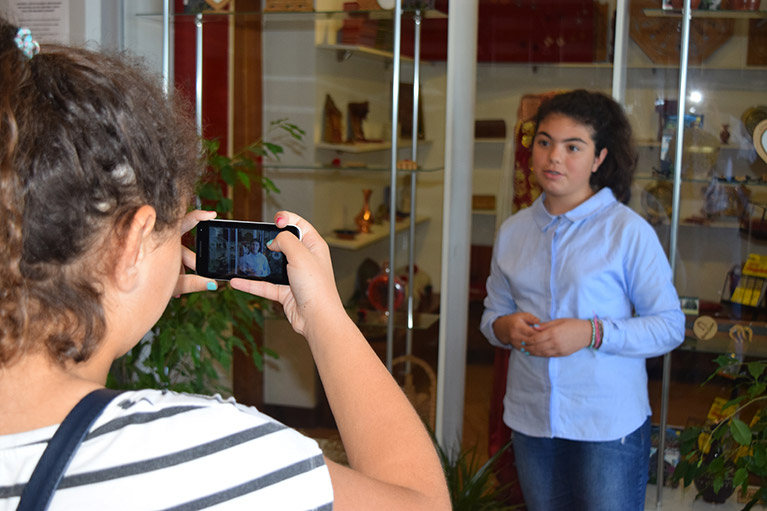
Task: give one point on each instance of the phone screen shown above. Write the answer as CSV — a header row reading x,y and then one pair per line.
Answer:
x,y
231,248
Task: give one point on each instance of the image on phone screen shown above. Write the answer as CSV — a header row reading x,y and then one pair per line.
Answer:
x,y
229,248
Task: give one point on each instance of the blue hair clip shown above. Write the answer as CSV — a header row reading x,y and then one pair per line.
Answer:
x,y
26,44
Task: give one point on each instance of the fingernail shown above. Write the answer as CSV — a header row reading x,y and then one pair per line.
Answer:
x,y
269,243
212,286
278,220
522,350
523,343
177,296
537,325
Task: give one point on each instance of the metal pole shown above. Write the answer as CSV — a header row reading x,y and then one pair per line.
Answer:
x,y
620,52
682,96
393,182
413,180
198,73
166,46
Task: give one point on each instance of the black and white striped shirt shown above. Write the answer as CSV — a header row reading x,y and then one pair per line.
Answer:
x,y
161,450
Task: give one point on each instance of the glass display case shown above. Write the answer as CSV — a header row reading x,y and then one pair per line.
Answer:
x,y
695,95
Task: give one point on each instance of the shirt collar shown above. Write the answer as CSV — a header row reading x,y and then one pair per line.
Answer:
x,y
596,202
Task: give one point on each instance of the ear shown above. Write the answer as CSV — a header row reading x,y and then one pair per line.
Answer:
x,y
134,247
599,159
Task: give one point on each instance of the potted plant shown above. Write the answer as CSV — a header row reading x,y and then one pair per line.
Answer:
x,y
473,486
190,348
733,451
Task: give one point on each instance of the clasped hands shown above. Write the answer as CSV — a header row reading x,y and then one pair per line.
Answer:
x,y
556,338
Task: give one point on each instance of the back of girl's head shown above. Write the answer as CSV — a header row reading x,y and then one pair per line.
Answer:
x,y
85,140
611,130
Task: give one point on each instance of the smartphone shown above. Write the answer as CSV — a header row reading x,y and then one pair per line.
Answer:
x,y
233,248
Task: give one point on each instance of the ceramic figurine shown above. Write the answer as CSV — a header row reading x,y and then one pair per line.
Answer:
x,y
724,135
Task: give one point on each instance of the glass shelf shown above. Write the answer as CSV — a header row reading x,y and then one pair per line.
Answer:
x,y
366,318
721,343
373,13
345,50
351,168
366,147
702,13
377,233
656,143
703,180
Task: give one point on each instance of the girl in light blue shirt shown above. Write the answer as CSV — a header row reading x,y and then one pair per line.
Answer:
x,y
580,290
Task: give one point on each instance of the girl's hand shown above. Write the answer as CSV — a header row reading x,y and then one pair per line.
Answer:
x,y
560,337
312,297
189,283
516,329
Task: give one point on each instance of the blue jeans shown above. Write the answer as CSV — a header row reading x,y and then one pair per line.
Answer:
x,y
573,475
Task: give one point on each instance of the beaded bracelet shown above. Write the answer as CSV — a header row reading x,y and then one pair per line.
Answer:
x,y
598,333
593,332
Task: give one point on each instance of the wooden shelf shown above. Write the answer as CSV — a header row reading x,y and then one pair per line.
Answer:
x,y
378,233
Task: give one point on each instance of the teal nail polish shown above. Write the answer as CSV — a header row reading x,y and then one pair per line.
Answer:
x,y
269,243
523,343
212,286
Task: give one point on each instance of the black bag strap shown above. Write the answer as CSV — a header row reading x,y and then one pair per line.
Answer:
x,y
38,492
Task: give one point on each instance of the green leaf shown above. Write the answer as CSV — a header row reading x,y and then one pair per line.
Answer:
x,y
741,476
244,178
274,149
740,431
717,483
756,389
225,205
755,369
209,192
268,185
760,455
229,175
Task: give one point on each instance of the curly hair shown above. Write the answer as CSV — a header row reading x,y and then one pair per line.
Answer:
x,y
612,130
86,139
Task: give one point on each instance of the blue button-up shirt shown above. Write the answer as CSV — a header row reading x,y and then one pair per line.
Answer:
x,y
603,259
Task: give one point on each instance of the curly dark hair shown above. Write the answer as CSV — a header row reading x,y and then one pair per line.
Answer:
x,y
612,131
86,139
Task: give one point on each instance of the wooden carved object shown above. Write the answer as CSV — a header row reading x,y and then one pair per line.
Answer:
x,y
331,131
660,38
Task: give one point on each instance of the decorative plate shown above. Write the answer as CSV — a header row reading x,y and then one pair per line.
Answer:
x,y
753,116
760,140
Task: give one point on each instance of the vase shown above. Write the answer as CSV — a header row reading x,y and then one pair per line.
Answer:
x,y
704,485
378,290
364,218
704,482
